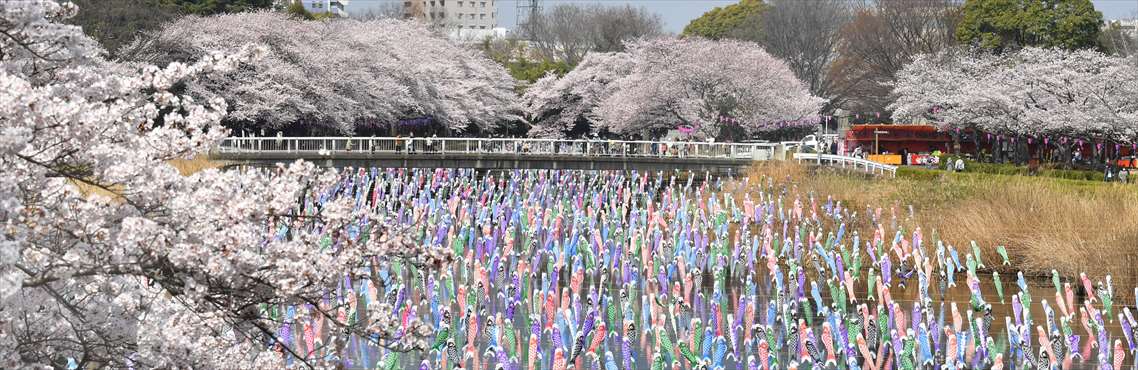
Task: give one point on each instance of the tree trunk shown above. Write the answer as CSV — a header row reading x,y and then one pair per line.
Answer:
x,y
956,143
1022,150
997,151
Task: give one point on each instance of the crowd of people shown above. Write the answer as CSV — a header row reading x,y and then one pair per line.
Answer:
x,y
637,270
1119,174
593,147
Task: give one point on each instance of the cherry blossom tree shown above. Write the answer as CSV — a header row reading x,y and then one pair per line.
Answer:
x,y
109,258
564,106
1034,92
338,75
722,89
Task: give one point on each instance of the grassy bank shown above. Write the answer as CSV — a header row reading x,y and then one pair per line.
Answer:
x,y
1045,223
1045,170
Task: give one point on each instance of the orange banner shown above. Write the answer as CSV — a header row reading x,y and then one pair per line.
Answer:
x,y
893,159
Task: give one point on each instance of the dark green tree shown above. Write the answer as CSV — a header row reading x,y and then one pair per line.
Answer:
x,y
1011,24
522,65
531,70
297,10
115,23
718,22
210,7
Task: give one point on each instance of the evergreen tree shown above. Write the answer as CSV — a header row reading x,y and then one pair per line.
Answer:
x,y
1012,24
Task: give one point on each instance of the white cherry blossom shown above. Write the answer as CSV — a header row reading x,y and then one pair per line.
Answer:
x,y
112,258
1034,92
661,84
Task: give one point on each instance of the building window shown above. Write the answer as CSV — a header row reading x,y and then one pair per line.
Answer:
x,y
483,4
432,4
482,16
459,4
460,26
482,27
442,3
406,4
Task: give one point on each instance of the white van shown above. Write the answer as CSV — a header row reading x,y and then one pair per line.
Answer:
x,y
817,143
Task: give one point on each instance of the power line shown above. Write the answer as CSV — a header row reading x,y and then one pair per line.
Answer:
x,y
525,11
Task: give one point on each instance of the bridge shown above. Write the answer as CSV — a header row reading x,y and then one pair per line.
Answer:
x,y
498,153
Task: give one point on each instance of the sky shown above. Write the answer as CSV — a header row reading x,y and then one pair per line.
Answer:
x,y
677,13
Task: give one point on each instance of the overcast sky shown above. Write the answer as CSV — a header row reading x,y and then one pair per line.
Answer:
x,y
677,13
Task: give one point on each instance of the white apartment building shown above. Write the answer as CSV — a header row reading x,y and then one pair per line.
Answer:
x,y
336,7
459,14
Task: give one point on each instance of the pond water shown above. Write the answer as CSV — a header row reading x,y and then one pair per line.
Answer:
x,y
622,270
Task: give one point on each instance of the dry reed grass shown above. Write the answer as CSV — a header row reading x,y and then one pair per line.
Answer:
x,y
87,190
185,167
1045,223
192,165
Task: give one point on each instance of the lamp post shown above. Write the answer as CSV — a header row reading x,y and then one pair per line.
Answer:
x,y
876,134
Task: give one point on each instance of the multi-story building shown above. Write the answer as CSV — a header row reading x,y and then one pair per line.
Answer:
x,y
334,7
459,14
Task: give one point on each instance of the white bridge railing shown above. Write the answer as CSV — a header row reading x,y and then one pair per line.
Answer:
x,y
584,148
847,162
328,146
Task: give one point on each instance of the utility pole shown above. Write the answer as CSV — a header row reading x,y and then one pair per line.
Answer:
x,y
876,134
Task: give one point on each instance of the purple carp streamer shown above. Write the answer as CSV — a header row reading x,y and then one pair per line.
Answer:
x,y
621,270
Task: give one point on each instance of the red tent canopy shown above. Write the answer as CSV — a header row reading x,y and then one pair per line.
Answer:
x,y
897,133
